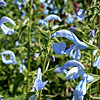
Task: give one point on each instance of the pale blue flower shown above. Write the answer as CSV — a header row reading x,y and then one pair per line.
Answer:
x,y
55,26
70,19
52,17
74,73
69,64
97,62
34,6
72,29
1,98
38,84
42,1
92,33
36,55
23,14
54,10
44,23
16,1
2,3
5,29
49,18
21,68
24,2
80,12
45,12
74,51
65,2
33,97
11,60
53,58
17,43
80,90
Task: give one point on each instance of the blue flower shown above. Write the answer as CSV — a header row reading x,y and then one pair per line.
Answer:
x,y
97,62
92,33
17,43
5,29
38,84
69,64
11,60
74,51
42,1
80,12
49,18
23,14
21,68
52,17
33,97
69,19
2,3
15,2
36,55
34,6
24,2
54,10
80,89
44,23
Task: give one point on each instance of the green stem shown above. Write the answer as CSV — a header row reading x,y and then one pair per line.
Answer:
x,y
97,71
29,42
40,92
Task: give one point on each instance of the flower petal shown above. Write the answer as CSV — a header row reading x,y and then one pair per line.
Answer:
x,y
81,88
6,30
69,64
63,33
59,48
51,17
7,19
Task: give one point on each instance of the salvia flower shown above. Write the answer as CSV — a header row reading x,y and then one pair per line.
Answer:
x,y
92,33
2,3
70,19
16,1
36,55
52,17
34,6
80,14
97,62
69,64
74,51
21,68
33,97
80,89
54,10
23,14
5,29
1,98
49,18
17,43
11,60
38,84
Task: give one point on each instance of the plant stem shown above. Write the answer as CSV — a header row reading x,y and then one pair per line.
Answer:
x,y
40,92
29,42
97,71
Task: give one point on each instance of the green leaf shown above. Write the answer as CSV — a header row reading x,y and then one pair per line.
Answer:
x,y
20,97
18,80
